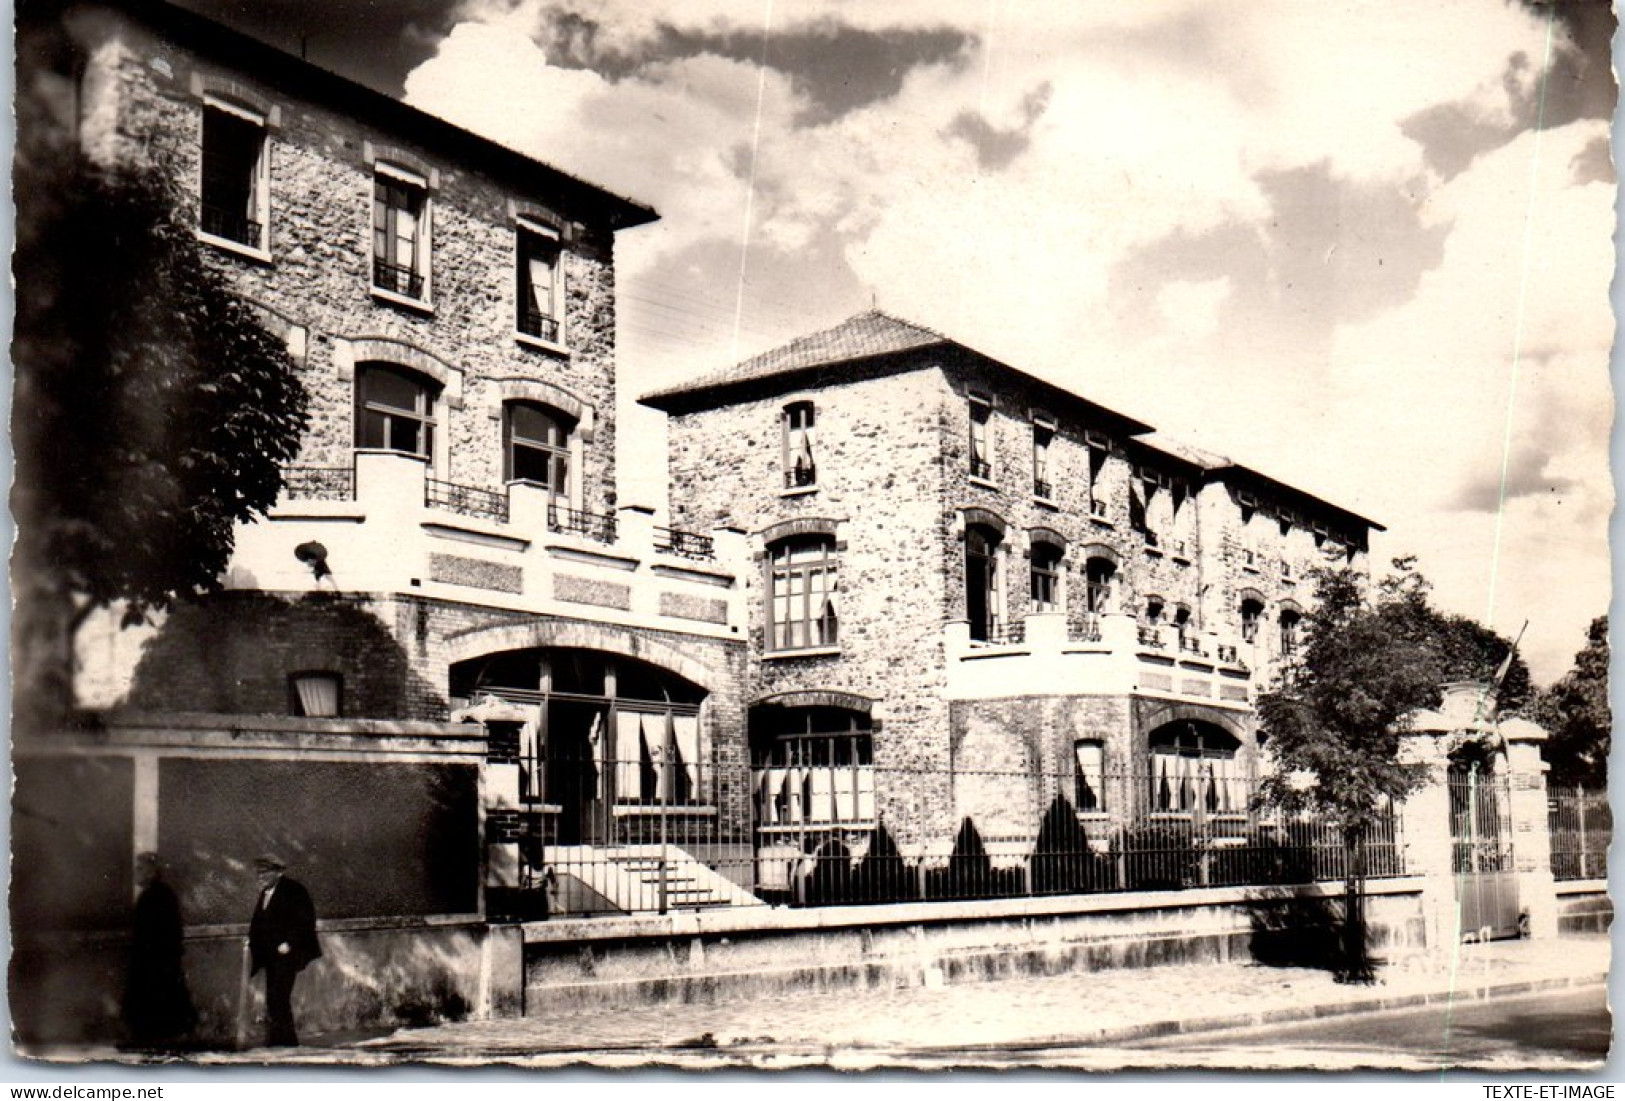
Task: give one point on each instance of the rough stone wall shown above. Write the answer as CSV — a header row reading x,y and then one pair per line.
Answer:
x,y
879,466
318,281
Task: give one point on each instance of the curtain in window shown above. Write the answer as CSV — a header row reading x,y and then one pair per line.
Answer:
x,y
686,737
629,752
318,696
541,284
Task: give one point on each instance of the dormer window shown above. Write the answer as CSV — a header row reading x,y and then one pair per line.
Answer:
x,y
800,459
234,196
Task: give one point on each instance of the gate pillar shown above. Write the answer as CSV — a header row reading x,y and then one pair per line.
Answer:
x,y
1425,826
1531,825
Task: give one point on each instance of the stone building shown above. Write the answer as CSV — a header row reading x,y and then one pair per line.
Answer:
x,y
450,643
972,590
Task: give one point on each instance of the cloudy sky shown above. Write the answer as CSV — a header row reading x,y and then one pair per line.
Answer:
x,y
1369,254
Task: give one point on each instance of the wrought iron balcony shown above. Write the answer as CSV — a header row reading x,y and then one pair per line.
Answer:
x,y
593,525
396,278
467,500
533,322
685,544
231,225
799,476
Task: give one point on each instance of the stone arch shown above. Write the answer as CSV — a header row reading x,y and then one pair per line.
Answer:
x,y
399,353
1154,716
546,393
974,517
805,525
556,634
818,697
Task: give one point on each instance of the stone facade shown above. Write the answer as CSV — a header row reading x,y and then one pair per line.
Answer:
x,y
919,446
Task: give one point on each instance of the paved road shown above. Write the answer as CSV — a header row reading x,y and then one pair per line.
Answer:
x,y
1558,1029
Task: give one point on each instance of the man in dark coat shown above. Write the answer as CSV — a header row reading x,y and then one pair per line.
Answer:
x,y
282,940
158,1006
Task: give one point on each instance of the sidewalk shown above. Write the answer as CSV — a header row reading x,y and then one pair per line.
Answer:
x,y
978,1022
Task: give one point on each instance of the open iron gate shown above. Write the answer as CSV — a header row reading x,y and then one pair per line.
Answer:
x,y
1481,854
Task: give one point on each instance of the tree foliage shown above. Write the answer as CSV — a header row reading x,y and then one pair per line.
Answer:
x,y
1330,726
1576,714
151,410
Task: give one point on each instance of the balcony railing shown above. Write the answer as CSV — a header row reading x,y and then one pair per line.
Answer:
x,y
466,500
1229,655
230,224
1043,489
981,468
798,477
685,544
1090,629
534,323
319,483
1006,633
1151,637
396,278
1191,644
593,525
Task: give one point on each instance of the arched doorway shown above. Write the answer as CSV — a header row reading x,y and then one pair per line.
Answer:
x,y
605,735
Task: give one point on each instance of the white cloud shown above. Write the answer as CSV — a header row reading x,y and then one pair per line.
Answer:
x,y
1160,118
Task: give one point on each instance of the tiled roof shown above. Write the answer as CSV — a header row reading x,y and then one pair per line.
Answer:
x,y
868,334
1196,456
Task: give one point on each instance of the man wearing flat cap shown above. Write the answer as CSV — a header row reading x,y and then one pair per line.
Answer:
x,y
282,940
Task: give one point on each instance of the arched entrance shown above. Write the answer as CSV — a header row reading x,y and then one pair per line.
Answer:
x,y
603,736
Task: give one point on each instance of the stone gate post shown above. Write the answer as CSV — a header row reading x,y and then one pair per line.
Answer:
x,y
1531,825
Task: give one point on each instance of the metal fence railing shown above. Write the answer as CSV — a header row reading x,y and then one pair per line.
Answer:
x,y
685,544
467,500
1581,826
599,526
632,817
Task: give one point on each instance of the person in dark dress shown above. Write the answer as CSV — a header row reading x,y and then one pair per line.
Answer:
x,y
158,1008
282,942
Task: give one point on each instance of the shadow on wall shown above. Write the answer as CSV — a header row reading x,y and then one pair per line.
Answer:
x,y
233,653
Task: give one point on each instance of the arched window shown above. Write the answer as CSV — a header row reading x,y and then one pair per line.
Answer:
x,y
1194,768
801,583
394,410
812,766
800,467
1291,624
536,446
984,604
1252,614
1046,577
1098,574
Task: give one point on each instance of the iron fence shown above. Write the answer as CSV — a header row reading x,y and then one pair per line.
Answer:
x,y
605,830
593,525
467,500
685,544
396,278
1581,825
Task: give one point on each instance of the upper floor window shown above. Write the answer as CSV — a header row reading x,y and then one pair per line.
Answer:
x,y
1097,477
984,600
1291,622
400,232
1043,436
801,604
234,203
1252,614
981,447
394,410
1046,577
536,446
1098,574
800,466
540,276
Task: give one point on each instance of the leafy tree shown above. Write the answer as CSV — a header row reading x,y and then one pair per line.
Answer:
x,y
1368,663
151,410
1575,712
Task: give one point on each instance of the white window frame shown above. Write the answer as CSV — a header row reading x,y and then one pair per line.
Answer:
x,y
526,232
422,265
